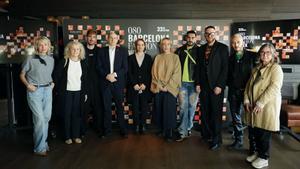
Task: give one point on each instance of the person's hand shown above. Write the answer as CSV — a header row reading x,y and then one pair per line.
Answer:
x,y
142,87
111,77
257,109
31,88
85,98
198,89
217,90
52,85
136,87
164,89
247,107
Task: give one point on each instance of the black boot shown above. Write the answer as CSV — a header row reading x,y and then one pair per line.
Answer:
x,y
137,129
236,145
169,135
142,129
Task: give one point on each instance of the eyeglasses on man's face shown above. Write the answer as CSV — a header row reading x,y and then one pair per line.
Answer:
x,y
209,33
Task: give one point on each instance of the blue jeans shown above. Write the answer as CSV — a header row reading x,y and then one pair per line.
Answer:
x,y
188,98
40,103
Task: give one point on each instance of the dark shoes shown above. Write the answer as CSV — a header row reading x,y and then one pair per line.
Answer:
x,y
105,135
140,129
124,135
180,137
42,153
236,146
214,147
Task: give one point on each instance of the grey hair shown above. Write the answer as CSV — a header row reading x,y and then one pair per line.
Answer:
x,y
275,58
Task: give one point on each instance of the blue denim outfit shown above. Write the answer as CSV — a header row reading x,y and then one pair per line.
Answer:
x,y
188,98
40,103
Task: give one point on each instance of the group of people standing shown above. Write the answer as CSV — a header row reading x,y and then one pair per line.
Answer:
x,y
88,78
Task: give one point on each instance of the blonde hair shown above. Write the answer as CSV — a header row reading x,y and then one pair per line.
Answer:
x,y
161,43
37,43
67,53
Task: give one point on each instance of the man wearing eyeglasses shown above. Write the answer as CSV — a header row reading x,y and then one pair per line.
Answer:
x,y
211,80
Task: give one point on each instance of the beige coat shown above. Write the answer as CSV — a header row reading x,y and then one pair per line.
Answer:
x,y
166,72
265,93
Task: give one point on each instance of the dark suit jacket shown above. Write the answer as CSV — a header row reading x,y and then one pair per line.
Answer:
x,y
217,67
60,78
120,67
138,75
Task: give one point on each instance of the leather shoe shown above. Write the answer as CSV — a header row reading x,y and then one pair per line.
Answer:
x,y
214,147
235,146
105,135
42,153
124,134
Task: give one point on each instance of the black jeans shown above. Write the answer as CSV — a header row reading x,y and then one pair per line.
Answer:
x,y
236,97
263,142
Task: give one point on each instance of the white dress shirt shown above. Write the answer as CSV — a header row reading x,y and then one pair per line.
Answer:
x,y
112,51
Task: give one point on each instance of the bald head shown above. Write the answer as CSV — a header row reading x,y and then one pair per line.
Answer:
x,y
237,42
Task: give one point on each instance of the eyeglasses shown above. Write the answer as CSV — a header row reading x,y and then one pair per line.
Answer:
x,y
209,33
265,53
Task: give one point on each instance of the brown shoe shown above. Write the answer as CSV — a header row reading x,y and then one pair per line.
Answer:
x,y
42,153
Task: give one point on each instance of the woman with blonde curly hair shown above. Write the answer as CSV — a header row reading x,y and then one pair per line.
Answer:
x,y
70,75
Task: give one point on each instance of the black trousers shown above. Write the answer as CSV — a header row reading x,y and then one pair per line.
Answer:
x,y
95,106
211,115
140,108
117,94
263,142
251,138
72,116
165,112
236,97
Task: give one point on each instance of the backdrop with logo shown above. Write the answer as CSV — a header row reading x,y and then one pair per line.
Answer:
x,y
151,30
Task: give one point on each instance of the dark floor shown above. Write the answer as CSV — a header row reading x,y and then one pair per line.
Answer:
x,y
137,152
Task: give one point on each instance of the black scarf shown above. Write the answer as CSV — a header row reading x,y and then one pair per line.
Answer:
x,y
42,61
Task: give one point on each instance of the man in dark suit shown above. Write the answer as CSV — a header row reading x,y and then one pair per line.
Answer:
x,y
112,66
211,80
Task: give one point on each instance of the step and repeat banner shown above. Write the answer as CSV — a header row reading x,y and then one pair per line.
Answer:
x,y
151,30
283,34
17,38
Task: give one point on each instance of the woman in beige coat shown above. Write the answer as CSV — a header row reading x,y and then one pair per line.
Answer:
x,y
262,103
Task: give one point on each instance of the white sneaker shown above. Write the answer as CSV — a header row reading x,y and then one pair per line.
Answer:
x,y
252,157
260,163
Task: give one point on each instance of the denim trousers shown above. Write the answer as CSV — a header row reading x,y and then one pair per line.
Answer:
x,y
188,98
40,103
